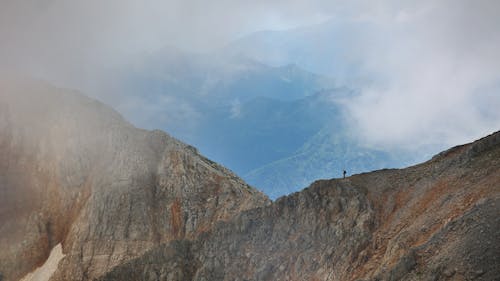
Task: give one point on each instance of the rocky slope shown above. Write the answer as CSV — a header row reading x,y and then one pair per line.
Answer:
x,y
86,196
434,221
323,156
73,172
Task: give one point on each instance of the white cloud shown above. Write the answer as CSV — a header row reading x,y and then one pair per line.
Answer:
x,y
433,66
436,75
67,42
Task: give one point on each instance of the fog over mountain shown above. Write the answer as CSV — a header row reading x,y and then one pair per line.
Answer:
x,y
165,140
87,196
421,75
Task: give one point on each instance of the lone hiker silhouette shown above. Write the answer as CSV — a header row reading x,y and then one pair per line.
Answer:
x,y
344,173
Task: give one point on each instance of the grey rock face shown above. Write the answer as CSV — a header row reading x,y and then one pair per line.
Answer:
x,y
130,204
435,221
179,264
73,171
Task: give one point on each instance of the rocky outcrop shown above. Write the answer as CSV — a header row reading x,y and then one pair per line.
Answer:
x,y
130,204
434,221
72,171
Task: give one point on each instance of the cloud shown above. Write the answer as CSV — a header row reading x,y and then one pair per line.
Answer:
x,y
41,27
68,42
428,71
436,76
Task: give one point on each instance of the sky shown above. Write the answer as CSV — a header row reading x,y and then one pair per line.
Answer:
x,y
430,69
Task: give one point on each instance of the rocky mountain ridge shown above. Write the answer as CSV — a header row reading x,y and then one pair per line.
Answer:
x,y
130,204
434,221
74,172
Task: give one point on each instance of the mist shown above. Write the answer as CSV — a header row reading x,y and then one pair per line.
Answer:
x,y
437,76
427,72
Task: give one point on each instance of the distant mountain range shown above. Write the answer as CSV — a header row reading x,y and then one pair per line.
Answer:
x,y
321,48
279,127
84,195
254,107
325,155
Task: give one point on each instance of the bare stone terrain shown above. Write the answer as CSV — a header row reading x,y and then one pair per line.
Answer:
x,y
435,221
72,171
129,204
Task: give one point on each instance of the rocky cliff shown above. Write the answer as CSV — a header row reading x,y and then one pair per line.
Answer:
x,y
128,204
73,172
434,221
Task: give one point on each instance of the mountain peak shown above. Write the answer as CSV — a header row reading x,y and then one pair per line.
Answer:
x,y
87,196
422,222
74,172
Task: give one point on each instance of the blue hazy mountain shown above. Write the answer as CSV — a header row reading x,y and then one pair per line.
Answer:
x,y
320,48
263,130
219,77
279,127
237,111
325,155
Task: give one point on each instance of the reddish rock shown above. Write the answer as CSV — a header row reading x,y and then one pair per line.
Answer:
x,y
72,171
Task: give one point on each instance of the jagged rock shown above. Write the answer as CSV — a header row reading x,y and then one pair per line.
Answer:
x,y
366,227
130,204
449,272
72,171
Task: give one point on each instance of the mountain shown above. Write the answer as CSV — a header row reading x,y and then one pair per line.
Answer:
x,y
434,221
206,81
87,196
276,138
276,126
264,130
82,187
325,48
241,113
325,155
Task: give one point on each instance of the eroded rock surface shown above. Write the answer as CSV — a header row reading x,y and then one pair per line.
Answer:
x,y
72,171
130,204
435,221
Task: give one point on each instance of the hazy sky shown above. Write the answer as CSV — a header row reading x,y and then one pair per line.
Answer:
x,y
433,66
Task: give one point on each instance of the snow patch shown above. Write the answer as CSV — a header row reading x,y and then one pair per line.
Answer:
x,y
44,272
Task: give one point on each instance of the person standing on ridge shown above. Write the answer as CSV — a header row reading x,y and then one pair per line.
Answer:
x,y
345,173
